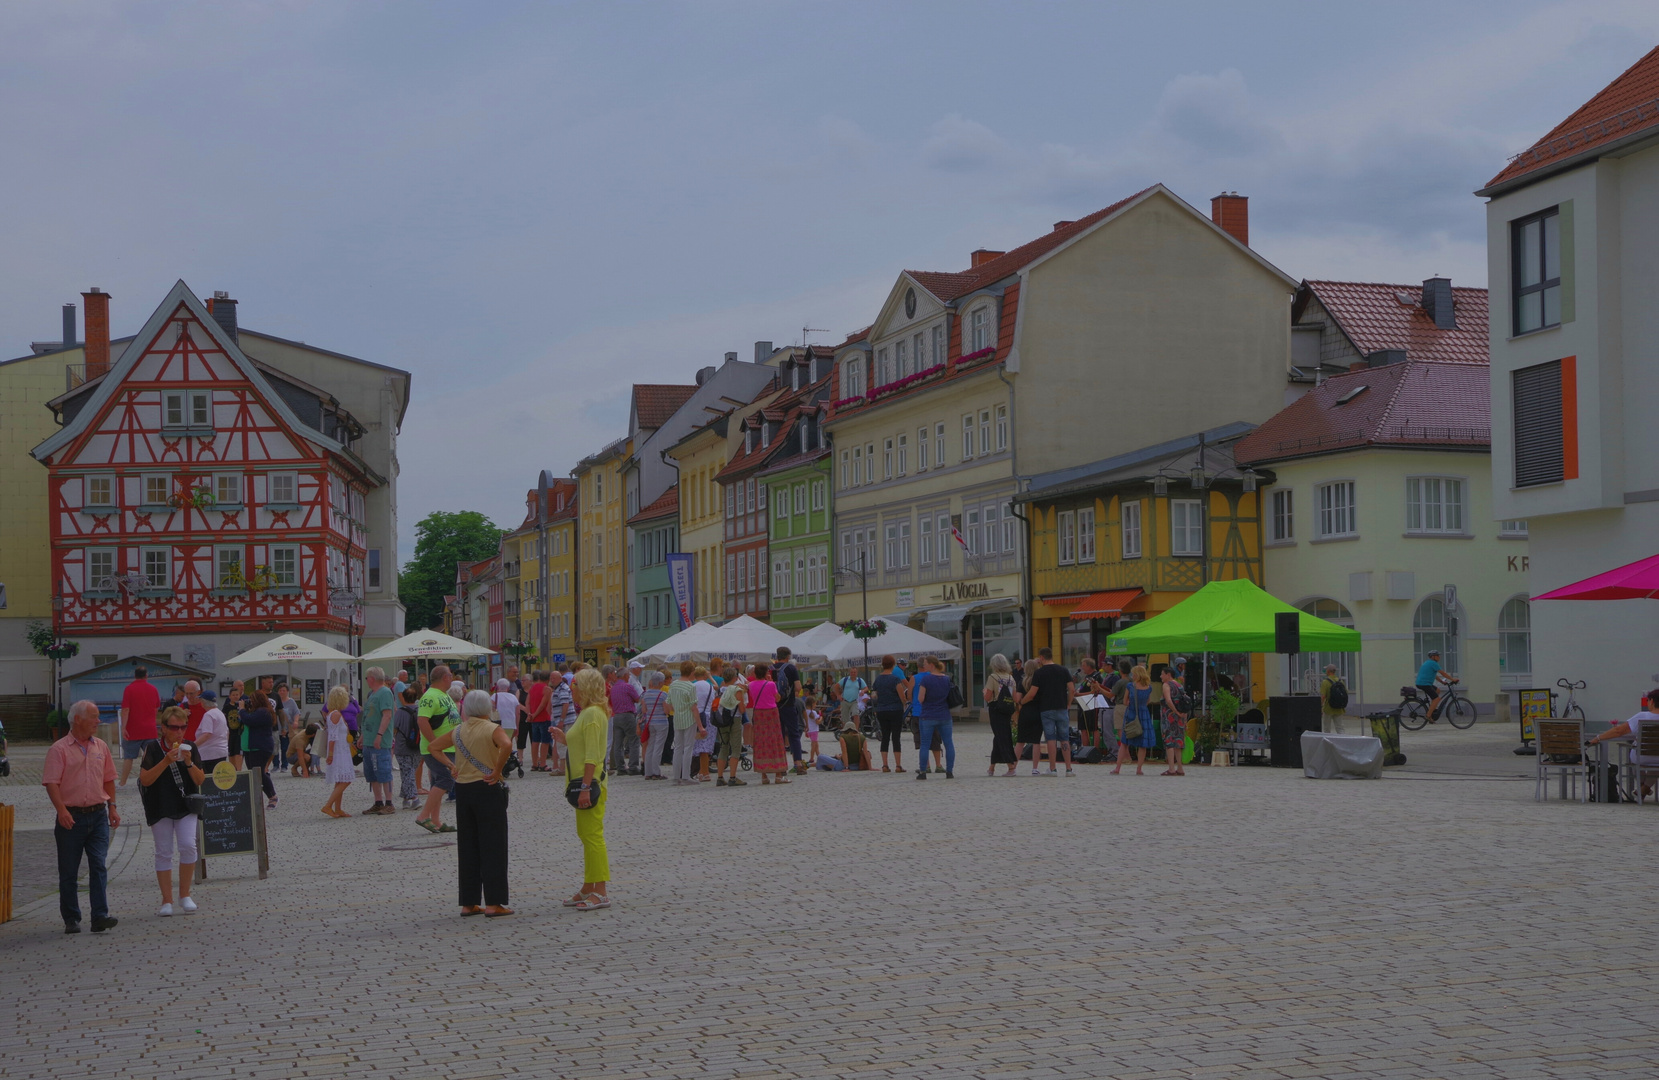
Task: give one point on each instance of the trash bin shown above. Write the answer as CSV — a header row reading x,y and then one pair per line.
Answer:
x,y
1386,727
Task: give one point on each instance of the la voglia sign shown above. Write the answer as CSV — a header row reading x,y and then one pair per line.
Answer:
x,y
966,590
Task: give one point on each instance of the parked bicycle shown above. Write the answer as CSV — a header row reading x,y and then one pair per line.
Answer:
x,y
1571,709
1454,706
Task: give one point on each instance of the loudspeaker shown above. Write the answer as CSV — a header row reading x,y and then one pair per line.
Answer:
x,y
1287,632
1287,718
1089,755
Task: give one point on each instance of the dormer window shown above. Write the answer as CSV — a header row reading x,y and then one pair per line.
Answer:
x,y
748,440
765,434
979,328
794,376
852,376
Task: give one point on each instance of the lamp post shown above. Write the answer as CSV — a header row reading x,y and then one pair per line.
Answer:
x,y
864,593
57,636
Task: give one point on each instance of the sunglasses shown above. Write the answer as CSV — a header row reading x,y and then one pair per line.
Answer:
x,y
175,727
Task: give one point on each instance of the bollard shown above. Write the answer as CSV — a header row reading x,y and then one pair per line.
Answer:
x,y
7,813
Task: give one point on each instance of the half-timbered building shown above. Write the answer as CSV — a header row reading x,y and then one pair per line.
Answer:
x,y
201,501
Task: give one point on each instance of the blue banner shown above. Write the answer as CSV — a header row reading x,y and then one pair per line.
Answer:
x,y
680,581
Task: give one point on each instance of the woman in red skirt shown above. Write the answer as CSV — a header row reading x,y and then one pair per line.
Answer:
x,y
771,760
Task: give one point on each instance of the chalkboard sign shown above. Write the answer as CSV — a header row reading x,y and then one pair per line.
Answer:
x,y
314,691
227,817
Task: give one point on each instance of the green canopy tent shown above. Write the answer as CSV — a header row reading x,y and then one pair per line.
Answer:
x,y
1228,617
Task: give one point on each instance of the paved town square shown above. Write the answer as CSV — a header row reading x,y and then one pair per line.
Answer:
x,y
1240,922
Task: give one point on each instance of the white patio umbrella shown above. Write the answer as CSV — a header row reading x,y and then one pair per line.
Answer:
x,y
427,645
696,642
900,641
288,649
750,639
818,639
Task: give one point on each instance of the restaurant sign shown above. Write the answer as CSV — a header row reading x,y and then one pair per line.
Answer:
x,y
965,590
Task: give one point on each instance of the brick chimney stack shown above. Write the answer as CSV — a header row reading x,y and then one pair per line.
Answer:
x,y
1231,211
981,256
96,306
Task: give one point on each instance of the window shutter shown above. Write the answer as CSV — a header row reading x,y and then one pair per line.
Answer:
x,y
1539,435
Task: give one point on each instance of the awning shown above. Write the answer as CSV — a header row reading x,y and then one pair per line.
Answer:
x,y
1104,605
951,616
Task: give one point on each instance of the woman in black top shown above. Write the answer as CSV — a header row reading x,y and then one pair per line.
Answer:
x,y
169,771
891,690
999,703
1030,731
261,726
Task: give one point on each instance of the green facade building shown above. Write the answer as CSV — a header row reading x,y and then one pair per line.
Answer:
x,y
803,592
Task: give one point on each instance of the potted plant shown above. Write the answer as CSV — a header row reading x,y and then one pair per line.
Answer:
x,y
1209,729
865,629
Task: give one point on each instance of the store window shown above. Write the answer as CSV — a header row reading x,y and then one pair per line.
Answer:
x,y
1430,629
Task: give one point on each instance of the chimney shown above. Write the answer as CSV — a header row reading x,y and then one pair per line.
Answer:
x,y
1231,211
983,255
1385,357
1058,225
763,351
731,358
96,305
1437,301
223,310
69,326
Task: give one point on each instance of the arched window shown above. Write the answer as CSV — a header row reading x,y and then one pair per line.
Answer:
x,y
1308,668
1429,630
1515,642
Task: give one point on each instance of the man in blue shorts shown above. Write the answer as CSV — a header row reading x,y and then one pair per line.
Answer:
x,y
1428,680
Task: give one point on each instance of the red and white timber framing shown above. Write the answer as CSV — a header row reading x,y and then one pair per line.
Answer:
x,y
134,553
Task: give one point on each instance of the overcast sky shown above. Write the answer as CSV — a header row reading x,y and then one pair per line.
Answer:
x,y
533,206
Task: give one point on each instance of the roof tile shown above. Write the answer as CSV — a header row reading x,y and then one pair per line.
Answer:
x,y
654,403
1377,316
663,505
1628,104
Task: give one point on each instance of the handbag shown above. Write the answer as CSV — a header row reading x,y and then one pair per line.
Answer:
x,y
573,790
953,698
195,800
1003,704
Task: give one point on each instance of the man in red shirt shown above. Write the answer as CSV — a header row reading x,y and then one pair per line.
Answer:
x,y
539,706
198,708
139,702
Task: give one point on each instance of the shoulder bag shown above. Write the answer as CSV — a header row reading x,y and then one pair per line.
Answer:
x,y
1132,728
573,790
461,748
195,800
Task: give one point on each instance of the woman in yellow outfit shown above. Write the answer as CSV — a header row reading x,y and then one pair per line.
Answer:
x,y
585,742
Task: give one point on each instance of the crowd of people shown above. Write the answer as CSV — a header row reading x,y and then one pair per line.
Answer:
x,y
702,722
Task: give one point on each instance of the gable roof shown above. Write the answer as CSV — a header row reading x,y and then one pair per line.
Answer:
x,y
655,403
1625,110
665,505
1378,316
1427,405
108,385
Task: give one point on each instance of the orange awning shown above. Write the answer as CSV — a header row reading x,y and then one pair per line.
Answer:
x,y
1104,605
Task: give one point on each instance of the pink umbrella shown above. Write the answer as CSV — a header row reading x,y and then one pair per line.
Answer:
x,y
1639,580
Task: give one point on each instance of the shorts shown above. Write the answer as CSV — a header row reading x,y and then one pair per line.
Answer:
x,y
1056,725
542,733
1090,719
1430,690
440,774
132,749
728,742
377,765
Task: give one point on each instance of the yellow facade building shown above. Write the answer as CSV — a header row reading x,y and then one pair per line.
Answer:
x,y
602,602
1123,539
700,456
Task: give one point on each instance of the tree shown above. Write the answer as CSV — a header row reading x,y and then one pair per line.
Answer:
x,y
443,539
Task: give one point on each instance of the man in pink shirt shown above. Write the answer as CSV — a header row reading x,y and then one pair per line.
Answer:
x,y
139,702
79,775
624,723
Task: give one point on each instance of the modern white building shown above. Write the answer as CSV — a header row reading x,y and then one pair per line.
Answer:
x,y
1573,264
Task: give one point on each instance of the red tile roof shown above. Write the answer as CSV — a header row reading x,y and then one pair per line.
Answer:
x,y
665,504
950,286
1377,316
655,403
1628,104
1428,405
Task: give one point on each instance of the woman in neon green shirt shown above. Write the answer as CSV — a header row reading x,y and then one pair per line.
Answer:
x,y
585,746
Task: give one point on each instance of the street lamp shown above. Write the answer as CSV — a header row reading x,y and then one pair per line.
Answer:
x,y
864,592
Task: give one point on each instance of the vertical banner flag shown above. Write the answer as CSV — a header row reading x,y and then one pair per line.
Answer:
x,y
679,580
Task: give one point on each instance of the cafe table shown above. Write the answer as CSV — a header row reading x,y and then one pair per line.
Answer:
x,y
1604,792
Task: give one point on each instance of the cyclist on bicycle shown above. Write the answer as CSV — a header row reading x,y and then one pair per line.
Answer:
x,y
1431,678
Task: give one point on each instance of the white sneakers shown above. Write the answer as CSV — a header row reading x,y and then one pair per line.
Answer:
x,y
187,905
165,910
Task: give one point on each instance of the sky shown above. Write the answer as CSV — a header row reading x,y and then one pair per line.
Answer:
x,y
533,206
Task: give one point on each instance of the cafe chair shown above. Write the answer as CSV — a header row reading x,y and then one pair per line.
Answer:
x,y
1561,751
1646,747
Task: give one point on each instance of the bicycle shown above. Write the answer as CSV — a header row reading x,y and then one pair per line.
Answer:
x,y
1572,707
1454,706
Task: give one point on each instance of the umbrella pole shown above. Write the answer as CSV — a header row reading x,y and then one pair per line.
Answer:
x,y
1204,681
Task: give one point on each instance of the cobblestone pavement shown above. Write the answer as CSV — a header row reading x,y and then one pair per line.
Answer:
x,y
1236,923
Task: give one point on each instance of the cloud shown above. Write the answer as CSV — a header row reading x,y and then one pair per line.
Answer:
x,y
1214,115
959,145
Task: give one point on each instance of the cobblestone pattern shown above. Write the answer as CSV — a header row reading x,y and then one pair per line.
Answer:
x,y
1238,923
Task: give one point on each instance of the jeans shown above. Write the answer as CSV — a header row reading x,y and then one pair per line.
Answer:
x,y
624,742
89,834
406,766
684,740
927,729
481,842
653,749
261,760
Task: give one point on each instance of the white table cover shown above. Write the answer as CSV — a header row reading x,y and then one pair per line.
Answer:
x,y
1341,757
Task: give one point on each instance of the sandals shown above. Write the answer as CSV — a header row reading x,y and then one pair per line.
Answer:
x,y
469,912
593,902
498,913
574,900
781,780
885,769
426,823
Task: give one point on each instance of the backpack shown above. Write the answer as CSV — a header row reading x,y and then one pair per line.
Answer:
x,y
786,685
1337,696
410,729
1179,699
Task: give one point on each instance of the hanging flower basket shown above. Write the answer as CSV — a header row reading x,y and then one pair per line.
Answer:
x,y
626,652
62,650
865,629
518,647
